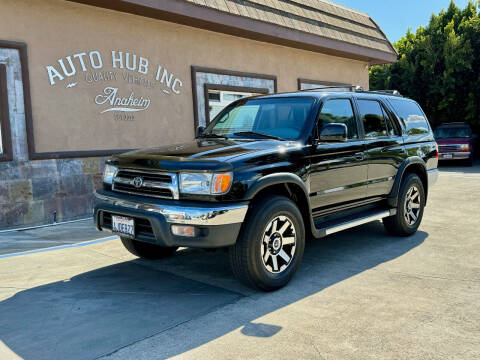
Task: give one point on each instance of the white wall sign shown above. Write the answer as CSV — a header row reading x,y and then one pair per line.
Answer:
x,y
118,103
116,72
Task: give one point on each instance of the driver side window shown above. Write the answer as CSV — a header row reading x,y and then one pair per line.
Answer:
x,y
339,111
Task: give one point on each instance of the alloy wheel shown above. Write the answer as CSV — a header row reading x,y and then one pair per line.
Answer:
x,y
412,205
278,244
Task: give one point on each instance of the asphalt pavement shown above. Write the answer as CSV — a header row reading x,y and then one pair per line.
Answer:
x,y
359,294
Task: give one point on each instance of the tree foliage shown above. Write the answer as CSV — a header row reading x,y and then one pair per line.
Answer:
x,y
439,66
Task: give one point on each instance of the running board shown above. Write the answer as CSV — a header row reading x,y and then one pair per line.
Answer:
x,y
321,232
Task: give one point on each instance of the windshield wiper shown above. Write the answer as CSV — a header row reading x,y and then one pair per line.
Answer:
x,y
268,136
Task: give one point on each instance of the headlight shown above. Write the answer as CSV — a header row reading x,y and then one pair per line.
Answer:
x,y
465,147
109,173
205,183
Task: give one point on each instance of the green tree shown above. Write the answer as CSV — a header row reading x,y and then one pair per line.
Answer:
x,y
439,66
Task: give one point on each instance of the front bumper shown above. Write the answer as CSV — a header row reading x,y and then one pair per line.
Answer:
x,y
460,155
216,225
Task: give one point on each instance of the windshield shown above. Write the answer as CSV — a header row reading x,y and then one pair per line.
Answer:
x,y
452,132
282,118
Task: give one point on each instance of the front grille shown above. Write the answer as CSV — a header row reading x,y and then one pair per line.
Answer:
x,y
159,177
143,228
446,148
151,184
143,191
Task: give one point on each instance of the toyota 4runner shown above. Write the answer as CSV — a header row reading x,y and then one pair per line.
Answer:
x,y
271,170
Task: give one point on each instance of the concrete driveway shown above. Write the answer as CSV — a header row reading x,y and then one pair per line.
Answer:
x,y
358,294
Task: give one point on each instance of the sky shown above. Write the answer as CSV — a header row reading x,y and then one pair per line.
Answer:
x,y
395,16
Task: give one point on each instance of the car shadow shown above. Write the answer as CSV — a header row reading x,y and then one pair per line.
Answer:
x,y
100,311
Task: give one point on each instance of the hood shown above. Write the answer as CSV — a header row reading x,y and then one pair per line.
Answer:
x,y
200,154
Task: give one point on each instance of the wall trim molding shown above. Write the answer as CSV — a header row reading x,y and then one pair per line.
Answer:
x,y
77,154
196,69
22,51
301,81
7,150
208,86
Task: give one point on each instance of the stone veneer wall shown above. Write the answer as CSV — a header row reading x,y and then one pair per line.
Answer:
x,y
34,192
39,192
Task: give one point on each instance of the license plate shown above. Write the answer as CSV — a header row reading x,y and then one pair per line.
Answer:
x,y
447,156
123,225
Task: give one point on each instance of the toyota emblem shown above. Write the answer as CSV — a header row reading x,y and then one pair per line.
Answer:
x,y
137,182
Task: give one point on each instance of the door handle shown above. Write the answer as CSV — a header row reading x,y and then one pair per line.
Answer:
x,y
359,156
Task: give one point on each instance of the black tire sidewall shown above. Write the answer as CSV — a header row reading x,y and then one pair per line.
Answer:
x,y
411,179
264,212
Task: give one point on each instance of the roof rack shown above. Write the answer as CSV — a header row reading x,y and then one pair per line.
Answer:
x,y
355,88
390,92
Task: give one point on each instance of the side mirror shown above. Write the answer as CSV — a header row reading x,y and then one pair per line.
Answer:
x,y
200,130
333,133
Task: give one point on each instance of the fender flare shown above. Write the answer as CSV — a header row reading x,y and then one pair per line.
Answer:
x,y
276,179
414,160
285,179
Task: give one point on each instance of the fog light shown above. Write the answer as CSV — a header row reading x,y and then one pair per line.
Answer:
x,y
181,230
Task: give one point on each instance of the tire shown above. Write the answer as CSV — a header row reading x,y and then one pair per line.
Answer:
x,y
146,250
273,230
404,223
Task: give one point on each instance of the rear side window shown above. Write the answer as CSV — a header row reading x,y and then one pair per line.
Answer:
x,y
339,111
375,121
411,115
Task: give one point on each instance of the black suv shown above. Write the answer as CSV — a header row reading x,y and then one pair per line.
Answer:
x,y
269,171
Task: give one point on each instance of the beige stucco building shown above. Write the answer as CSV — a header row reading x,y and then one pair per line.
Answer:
x,y
81,80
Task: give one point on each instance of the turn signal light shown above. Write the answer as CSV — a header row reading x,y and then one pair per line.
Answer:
x,y
221,183
181,230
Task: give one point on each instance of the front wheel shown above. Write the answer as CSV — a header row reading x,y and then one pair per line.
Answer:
x,y
146,250
411,203
270,246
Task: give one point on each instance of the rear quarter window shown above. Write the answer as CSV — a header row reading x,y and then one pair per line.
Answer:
x,y
412,116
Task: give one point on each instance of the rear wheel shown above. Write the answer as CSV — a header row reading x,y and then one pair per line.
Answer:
x,y
411,203
270,246
146,250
